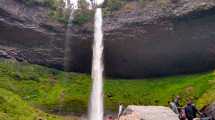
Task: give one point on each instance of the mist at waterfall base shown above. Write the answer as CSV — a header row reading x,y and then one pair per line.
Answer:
x,y
96,107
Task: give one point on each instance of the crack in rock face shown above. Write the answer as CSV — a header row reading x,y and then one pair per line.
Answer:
x,y
156,39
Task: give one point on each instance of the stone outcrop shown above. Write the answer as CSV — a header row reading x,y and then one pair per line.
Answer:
x,y
148,113
29,33
159,37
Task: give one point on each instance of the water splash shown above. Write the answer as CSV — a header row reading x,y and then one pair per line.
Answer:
x,y
96,100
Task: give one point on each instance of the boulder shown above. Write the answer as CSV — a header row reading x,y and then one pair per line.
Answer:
x,y
148,113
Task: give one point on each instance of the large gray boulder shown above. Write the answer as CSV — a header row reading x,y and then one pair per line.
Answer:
x,y
133,112
159,37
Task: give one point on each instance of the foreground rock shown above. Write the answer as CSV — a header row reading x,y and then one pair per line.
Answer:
x,y
210,110
156,38
148,113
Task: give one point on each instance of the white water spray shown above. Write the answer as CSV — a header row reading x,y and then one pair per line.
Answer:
x,y
96,100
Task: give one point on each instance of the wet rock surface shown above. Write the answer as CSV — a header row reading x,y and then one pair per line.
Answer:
x,y
154,39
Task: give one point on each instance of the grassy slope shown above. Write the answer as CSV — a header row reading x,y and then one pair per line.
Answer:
x,y
56,91
12,107
161,90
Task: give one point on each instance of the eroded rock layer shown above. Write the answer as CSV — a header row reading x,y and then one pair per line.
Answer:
x,y
154,39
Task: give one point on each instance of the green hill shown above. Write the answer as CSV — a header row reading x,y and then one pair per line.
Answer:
x,y
26,88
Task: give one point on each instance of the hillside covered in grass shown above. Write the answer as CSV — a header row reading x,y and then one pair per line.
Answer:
x,y
14,108
26,90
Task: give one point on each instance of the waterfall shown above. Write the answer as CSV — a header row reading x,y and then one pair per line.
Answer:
x,y
96,99
96,109
72,6
67,51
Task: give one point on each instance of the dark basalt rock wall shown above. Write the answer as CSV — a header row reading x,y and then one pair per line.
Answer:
x,y
142,41
170,47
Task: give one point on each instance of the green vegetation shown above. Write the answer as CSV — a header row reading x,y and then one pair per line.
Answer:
x,y
49,3
161,90
23,85
57,12
45,88
59,16
113,5
82,16
12,107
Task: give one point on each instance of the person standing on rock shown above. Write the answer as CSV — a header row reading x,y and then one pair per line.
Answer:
x,y
173,107
177,101
121,109
191,111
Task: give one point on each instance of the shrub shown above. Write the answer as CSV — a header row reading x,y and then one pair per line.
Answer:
x,y
49,3
113,5
82,16
55,6
59,16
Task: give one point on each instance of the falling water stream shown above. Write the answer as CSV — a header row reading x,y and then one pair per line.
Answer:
x,y
95,111
96,100
72,6
67,51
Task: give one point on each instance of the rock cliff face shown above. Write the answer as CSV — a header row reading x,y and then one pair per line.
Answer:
x,y
159,37
28,34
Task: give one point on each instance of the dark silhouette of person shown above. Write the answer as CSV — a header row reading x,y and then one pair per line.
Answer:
x,y
121,109
173,107
177,101
191,111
